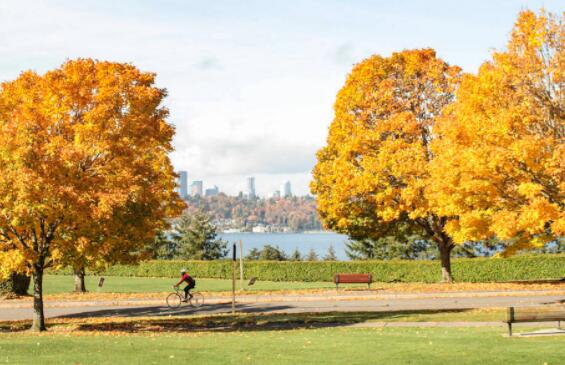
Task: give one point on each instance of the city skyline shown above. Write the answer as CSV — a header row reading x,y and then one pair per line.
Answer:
x,y
202,188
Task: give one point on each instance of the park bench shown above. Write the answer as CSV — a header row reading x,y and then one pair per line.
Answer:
x,y
353,279
534,314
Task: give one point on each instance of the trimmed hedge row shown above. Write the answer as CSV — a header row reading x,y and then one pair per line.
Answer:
x,y
464,270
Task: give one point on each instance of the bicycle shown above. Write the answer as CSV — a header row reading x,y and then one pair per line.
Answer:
x,y
175,300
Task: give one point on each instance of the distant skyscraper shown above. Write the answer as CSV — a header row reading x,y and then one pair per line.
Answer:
x,y
182,184
212,191
250,187
196,188
277,194
285,189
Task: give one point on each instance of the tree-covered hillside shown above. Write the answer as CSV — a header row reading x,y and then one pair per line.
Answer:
x,y
273,215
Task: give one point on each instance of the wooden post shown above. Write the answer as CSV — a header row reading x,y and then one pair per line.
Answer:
x,y
233,280
510,319
241,264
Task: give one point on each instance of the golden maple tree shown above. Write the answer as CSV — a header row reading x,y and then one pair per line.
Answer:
x,y
85,177
372,174
500,166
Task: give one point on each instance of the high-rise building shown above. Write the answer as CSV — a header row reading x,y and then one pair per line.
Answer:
x,y
276,194
212,191
250,191
285,189
196,188
182,184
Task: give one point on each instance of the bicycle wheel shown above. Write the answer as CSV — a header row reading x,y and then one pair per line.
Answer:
x,y
174,300
197,300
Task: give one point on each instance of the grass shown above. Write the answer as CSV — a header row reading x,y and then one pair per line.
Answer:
x,y
56,284
300,346
251,321
61,284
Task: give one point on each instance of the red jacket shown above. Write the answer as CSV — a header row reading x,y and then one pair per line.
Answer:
x,y
186,278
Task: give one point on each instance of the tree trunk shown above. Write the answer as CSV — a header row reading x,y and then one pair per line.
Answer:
x,y
445,257
21,283
15,285
38,323
79,280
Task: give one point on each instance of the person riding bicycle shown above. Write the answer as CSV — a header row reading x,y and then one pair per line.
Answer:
x,y
190,284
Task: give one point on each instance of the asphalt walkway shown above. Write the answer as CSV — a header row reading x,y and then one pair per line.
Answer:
x,y
17,310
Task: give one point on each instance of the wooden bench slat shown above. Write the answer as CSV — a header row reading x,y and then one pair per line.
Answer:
x,y
534,314
537,317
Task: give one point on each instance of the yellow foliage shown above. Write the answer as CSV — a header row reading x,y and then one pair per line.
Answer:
x,y
374,169
499,166
84,170
488,163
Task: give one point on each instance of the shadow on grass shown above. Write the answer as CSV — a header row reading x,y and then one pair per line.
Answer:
x,y
249,321
253,322
557,282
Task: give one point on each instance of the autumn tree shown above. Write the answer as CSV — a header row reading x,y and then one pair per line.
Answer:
x,y
373,172
85,177
499,171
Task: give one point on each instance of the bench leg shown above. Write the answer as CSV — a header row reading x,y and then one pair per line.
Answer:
x,y
509,329
559,324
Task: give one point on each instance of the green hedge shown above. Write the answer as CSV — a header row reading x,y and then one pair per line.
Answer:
x,y
464,270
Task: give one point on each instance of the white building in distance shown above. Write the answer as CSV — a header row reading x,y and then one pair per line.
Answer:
x,y
285,189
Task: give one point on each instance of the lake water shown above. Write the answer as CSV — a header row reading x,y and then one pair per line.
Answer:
x,y
288,242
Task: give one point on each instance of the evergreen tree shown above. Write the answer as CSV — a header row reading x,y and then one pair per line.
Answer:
x,y
253,254
311,256
195,238
400,241
160,247
390,247
272,253
296,256
330,255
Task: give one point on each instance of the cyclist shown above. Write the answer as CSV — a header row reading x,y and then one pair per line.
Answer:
x,y
190,284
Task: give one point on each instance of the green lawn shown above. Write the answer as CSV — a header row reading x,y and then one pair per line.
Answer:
x,y
54,284
254,322
320,346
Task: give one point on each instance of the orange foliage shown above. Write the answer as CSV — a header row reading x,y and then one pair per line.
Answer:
x,y
499,170
374,170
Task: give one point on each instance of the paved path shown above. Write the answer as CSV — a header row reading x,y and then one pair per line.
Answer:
x,y
284,305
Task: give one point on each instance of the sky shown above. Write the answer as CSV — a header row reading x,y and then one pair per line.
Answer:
x,y
251,84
